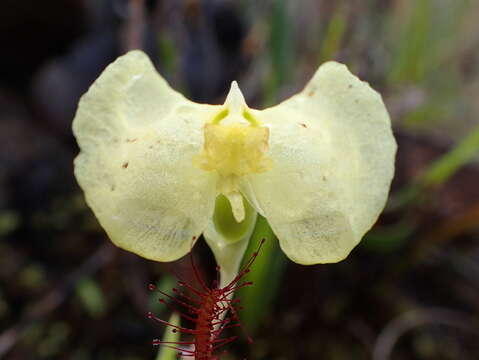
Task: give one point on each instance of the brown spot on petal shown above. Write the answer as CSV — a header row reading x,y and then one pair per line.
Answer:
x,y
125,165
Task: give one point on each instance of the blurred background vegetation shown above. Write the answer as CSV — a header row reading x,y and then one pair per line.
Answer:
x,y
409,291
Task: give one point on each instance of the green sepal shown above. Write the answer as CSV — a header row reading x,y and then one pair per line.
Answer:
x,y
229,239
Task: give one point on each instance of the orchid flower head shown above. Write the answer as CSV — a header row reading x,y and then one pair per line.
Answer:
x,y
154,165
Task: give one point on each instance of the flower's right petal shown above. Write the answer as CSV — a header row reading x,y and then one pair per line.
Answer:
x,y
332,153
137,138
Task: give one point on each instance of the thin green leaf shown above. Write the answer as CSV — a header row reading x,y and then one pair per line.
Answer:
x,y
266,274
165,353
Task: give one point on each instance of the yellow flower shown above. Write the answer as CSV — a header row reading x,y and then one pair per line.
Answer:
x,y
154,165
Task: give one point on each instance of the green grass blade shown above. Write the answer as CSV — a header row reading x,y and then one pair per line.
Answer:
x,y
334,35
165,353
266,274
446,166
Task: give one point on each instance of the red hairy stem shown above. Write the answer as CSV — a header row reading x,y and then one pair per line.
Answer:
x,y
211,309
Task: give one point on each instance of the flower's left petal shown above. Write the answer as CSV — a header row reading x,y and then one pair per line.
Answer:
x,y
137,138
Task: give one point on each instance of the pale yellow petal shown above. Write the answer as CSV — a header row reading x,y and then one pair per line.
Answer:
x,y
332,154
137,138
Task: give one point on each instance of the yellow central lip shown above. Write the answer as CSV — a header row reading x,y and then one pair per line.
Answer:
x,y
235,144
234,150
